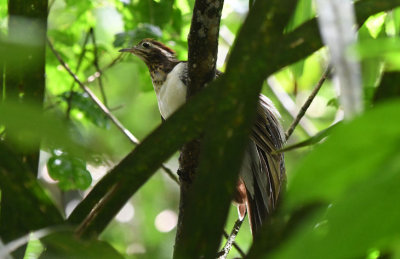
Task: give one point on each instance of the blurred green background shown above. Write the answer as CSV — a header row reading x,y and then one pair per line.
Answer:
x,y
88,35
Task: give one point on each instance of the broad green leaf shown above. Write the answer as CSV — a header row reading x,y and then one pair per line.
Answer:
x,y
79,7
375,23
333,103
363,219
396,20
69,171
354,152
33,249
67,245
388,88
82,102
357,171
387,49
297,69
152,12
130,38
371,67
27,126
303,12
65,37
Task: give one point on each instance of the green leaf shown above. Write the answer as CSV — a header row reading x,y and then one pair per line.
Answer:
x,y
297,69
353,158
27,125
69,171
33,249
388,88
82,102
131,37
333,103
396,20
357,171
79,7
304,12
157,13
363,219
65,36
386,49
371,67
67,245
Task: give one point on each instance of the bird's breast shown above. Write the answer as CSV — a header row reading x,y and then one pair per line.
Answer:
x,y
172,93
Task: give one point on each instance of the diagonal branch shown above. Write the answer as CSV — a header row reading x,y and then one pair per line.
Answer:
x,y
235,245
308,102
289,105
231,240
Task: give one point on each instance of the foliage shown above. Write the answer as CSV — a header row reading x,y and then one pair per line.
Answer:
x,y
341,199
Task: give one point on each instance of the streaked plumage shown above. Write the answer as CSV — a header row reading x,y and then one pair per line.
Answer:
x,y
262,176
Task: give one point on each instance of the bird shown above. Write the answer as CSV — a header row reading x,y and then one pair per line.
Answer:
x,y
262,176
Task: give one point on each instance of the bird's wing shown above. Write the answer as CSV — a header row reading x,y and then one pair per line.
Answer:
x,y
263,173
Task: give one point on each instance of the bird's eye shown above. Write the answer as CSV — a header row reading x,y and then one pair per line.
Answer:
x,y
146,45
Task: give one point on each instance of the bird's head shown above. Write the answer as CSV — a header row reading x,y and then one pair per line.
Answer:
x,y
152,52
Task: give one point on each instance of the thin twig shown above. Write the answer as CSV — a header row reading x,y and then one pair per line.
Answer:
x,y
236,246
169,172
80,58
308,102
103,108
289,105
92,77
96,64
310,141
116,108
231,241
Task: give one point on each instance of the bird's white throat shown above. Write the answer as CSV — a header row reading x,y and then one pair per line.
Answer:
x,y
172,93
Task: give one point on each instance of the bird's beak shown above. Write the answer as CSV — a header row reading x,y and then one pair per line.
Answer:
x,y
130,50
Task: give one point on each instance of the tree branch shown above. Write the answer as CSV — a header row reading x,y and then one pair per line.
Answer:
x,y
227,134
235,245
202,58
308,102
231,240
289,105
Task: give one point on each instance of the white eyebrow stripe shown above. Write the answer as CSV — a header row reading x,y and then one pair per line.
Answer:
x,y
167,53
